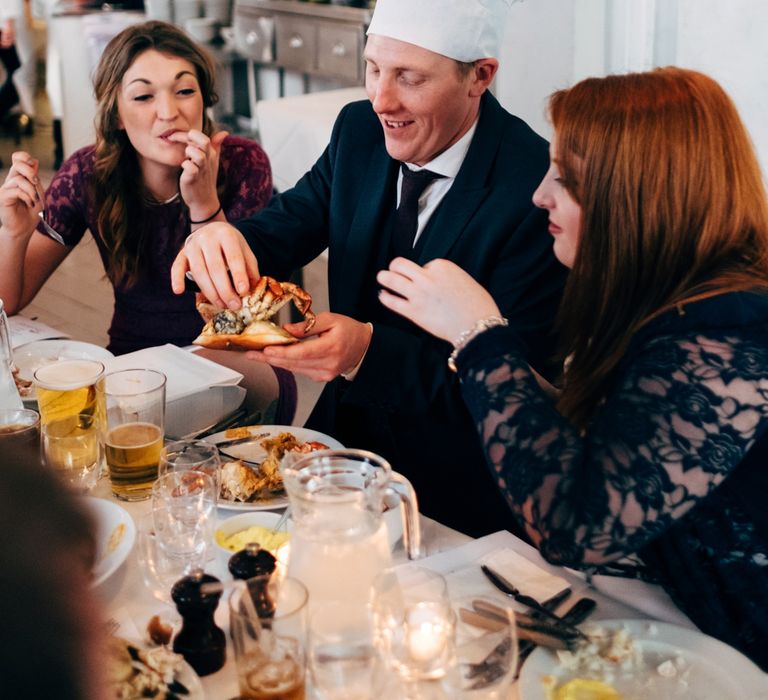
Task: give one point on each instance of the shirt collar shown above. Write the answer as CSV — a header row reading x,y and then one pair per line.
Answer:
x,y
448,163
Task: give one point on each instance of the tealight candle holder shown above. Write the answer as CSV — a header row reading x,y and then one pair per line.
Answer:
x,y
429,632
413,623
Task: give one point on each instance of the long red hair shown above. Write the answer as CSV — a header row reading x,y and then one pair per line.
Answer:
x,y
674,209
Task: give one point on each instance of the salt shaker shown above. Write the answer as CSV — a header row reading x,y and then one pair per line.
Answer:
x,y
200,641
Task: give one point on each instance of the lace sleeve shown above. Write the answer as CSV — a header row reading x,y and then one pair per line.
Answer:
x,y
67,200
684,414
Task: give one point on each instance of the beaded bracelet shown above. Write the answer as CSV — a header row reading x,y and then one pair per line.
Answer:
x,y
210,218
465,336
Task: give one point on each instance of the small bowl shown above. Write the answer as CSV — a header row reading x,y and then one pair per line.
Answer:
x,y
202,29
243,521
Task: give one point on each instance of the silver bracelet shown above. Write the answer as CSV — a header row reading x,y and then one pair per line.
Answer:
x,y
465,336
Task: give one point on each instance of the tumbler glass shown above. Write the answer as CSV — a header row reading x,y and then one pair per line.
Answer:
x,y
135,419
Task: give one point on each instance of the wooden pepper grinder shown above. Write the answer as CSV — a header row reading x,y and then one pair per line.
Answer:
x,y
255,565
200,641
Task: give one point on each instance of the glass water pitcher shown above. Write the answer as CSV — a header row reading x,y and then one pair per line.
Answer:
x,y
339,542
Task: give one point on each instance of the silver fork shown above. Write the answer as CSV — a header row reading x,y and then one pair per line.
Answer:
x,y
52,232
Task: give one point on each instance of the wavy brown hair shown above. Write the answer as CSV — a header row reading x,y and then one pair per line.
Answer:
x,y
118,189
674,210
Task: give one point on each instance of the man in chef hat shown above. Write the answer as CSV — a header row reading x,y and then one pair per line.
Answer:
x,y
429,64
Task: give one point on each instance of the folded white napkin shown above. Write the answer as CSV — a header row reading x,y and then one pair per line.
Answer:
x,y
519,571
186,373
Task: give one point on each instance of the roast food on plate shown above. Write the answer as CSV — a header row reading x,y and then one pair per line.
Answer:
x,y
133,672
239,482
249,328
24,386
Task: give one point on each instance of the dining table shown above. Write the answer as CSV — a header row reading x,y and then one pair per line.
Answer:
x,y
130,604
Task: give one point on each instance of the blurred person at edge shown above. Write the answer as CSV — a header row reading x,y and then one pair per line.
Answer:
x,y
52,622
158,168
657,447
17,96
429,64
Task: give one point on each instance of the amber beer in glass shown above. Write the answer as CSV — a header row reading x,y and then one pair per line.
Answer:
x,y
135,410
66,388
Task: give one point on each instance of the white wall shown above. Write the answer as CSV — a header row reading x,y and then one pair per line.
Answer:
x,y
729,41
551,44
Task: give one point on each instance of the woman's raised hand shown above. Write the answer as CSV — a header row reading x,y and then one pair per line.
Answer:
x,y
199,171
21,197
440,297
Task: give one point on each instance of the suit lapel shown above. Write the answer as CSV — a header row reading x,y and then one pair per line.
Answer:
x,y
361,242
469,189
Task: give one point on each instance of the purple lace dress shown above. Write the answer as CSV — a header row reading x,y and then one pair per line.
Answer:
x,y
149,313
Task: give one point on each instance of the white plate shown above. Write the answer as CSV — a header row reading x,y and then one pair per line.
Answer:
x,y
115,535
253,452
712,670
42,352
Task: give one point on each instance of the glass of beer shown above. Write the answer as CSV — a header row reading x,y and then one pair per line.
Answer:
x,y
270,645
73,448
67,388
135,415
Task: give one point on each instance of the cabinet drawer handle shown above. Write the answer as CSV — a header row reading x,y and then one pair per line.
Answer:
x,y
252,38
339,50
296,42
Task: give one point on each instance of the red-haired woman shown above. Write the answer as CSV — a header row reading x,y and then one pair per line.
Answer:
x,y
657,445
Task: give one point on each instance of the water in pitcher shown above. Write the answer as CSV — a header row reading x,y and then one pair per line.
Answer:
x,y
339,565
339,542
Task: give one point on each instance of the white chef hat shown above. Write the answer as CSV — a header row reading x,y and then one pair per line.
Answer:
x,y
464,30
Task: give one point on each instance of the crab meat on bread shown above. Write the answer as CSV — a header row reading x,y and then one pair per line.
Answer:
x,y
249,328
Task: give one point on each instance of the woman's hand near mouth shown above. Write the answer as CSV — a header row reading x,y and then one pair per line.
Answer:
x,y
199,170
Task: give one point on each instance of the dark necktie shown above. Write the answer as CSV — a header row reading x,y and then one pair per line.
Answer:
x,y
407,214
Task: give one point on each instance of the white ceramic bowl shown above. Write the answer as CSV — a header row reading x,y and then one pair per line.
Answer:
x,y
243,521
202,29
115,535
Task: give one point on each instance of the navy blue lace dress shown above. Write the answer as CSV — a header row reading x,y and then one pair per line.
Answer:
x,y
673,468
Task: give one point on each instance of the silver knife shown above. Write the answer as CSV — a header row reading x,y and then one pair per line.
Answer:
x,y
577,613
508,589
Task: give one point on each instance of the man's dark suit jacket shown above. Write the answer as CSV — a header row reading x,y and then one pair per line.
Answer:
x,y
404,402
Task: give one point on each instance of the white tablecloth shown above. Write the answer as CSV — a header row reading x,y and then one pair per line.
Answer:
x,y
131,604
294,131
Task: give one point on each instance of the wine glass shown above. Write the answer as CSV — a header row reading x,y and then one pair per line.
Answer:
x,y
485,651
184,455
162,565
176,536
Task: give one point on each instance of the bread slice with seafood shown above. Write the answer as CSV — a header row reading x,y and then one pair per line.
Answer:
x,y
249,327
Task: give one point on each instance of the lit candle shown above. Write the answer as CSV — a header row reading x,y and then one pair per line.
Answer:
x,y
428,629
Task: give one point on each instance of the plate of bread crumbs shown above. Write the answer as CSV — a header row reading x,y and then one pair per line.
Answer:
x,y
641,659
250,476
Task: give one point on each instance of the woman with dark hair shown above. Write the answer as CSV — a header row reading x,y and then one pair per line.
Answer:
x,y
157,171
657,445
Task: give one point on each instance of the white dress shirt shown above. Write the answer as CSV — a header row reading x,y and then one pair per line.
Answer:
x,y
447,164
